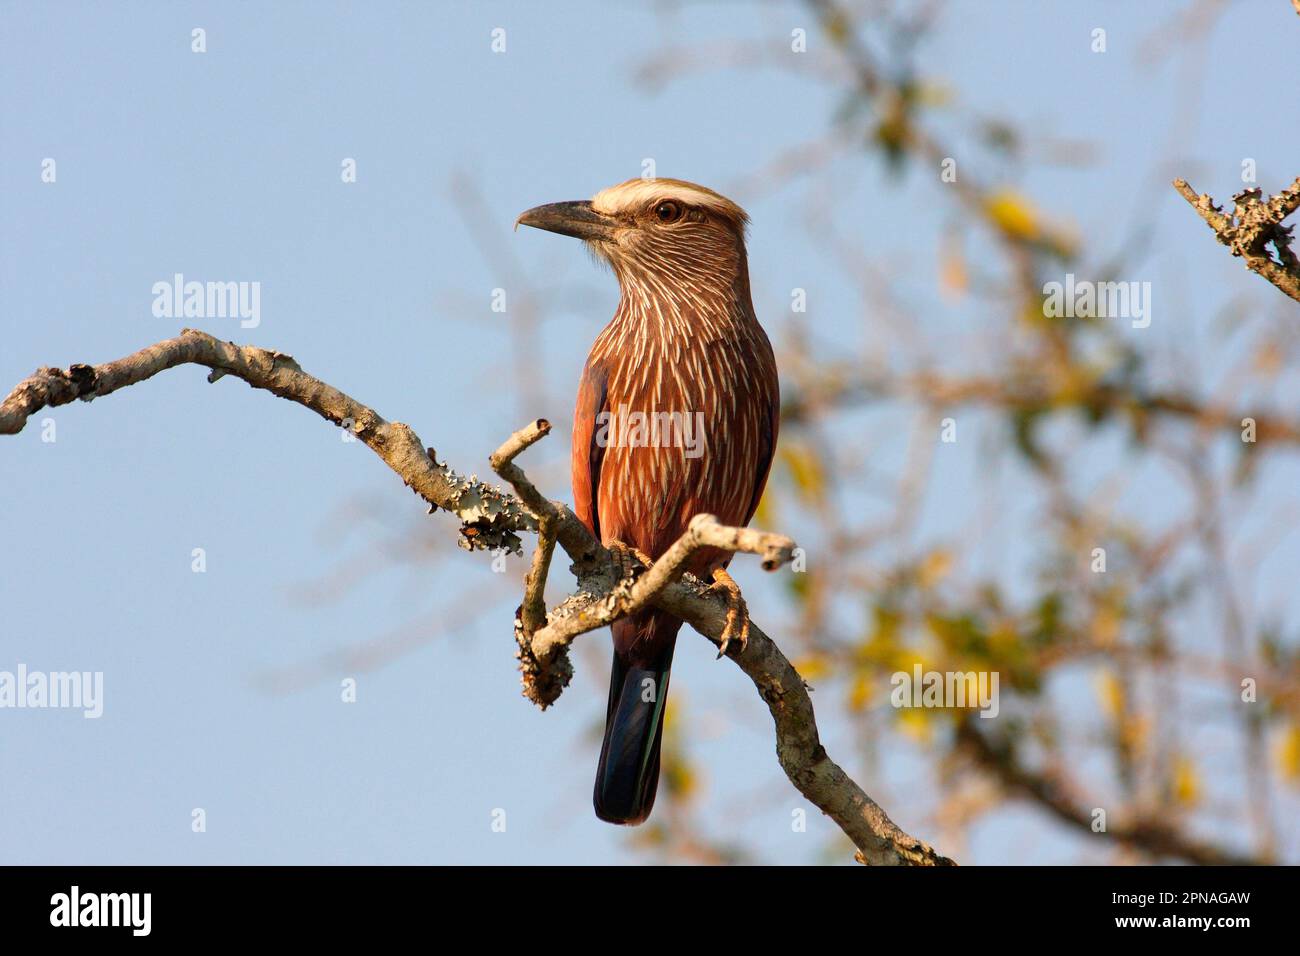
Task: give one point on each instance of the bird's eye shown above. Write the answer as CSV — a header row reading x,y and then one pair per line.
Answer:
x,y
668,212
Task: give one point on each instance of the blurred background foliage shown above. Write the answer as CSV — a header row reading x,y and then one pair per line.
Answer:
x,y
1113,670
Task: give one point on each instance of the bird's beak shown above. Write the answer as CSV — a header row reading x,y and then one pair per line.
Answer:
x,y
575,219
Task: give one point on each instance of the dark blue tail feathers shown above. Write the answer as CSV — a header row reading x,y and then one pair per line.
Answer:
x,y
628,774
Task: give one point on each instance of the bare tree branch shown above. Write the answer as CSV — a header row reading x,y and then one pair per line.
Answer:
x,y
492,519
532,612
1255,224
605,605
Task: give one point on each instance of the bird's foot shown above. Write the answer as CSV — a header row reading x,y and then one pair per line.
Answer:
x,y
737,626
630,560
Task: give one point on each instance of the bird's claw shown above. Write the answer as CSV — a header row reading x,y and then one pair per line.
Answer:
x,y
627,558
737,624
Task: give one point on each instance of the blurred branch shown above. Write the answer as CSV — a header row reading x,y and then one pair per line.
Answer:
x,y
492,519
1255,224
1055,794
1025,394
899,132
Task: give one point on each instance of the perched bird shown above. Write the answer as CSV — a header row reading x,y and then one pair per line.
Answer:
x,y
677,415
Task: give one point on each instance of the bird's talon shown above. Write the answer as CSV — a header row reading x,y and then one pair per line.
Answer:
x,y
737,624
626,558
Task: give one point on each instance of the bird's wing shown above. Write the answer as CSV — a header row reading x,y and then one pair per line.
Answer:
x,y
768,426
587,455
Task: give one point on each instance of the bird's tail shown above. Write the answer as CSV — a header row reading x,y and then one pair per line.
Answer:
x,y
628,773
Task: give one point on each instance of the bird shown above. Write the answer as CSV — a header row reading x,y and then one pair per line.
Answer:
x,y
677,414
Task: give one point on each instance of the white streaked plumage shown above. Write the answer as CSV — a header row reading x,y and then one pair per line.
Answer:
x,y
684,340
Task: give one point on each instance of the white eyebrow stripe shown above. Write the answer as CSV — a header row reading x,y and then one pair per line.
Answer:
x,y
639,193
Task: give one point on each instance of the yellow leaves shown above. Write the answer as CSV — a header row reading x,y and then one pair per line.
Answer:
x,y
891,133
837,27
916,723
861,691
678,774
884,647
1288,753
1135,733
885,627
671,709
1186,781
934,568
933,94
879,650
1004,640
680,778
805,470
953,277
765,511
1110,692
813,667
1014,214
1105,624
807,474
650,836
1032,313
907,659
1132,731
1016,217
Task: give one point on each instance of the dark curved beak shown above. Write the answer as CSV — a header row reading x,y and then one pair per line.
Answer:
x,y
575,219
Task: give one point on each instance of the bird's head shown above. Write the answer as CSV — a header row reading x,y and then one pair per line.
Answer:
x,y
664,229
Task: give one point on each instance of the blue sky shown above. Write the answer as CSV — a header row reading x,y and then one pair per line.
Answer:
x,y
225,165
